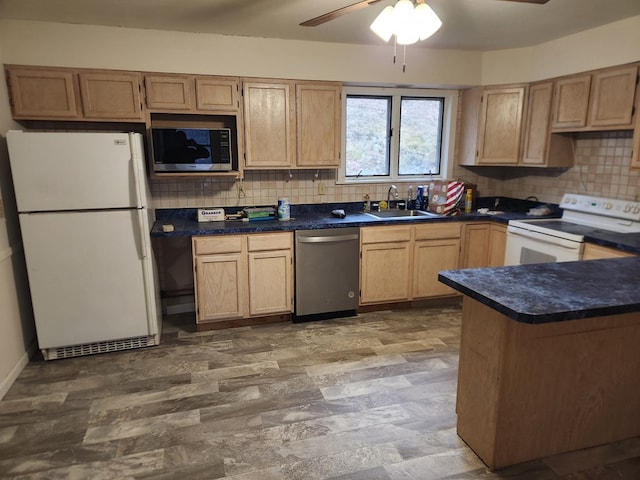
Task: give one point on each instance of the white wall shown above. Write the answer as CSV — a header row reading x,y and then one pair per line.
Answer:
x,y
16,324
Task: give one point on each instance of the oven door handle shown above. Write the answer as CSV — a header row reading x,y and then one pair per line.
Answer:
x,y
544,238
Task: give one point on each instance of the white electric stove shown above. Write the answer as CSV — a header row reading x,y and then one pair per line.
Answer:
x,y
562,239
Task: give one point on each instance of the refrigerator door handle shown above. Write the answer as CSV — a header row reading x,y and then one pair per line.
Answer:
x,y
136,163
143,232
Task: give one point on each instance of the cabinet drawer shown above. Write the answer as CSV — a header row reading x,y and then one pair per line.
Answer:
x,y
218,244
442,230
385,234
270,241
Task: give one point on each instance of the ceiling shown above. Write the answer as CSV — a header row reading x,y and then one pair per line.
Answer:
x,y
467,24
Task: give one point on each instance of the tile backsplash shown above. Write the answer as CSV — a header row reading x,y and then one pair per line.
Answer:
x,y
601,168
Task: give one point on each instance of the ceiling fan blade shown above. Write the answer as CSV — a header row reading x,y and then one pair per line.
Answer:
x,y
337,13
540,2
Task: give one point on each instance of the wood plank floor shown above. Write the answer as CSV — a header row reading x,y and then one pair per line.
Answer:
x,y
369,397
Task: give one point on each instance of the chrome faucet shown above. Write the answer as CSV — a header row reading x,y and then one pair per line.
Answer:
x,y
395,195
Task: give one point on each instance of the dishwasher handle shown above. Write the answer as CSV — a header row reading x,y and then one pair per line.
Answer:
x,y
328,238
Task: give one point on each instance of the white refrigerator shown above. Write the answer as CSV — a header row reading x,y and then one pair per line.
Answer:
x,y
85,222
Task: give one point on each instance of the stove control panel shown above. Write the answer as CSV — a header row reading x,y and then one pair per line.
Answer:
x,y
607,207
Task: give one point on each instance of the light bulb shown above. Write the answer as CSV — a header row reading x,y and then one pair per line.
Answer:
x,y
427,21
383,24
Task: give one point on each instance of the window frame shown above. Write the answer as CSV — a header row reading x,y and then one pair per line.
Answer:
x,y
449,118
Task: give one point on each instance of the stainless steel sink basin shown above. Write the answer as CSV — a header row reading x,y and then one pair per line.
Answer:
x,y
402,214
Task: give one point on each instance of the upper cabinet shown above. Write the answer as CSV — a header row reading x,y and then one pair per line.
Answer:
x,y
269,123
189,93
43,93
318,124
492,121
540,147
292,124
602,100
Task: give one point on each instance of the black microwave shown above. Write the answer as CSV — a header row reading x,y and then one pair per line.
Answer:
x,y
191,149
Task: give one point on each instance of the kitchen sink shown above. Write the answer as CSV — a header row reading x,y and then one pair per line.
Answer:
x,y
400,214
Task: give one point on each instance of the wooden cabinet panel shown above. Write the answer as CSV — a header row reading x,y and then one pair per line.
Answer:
x,y
217,93
318,110
429,258
385,234
111,95
439,230
221,287
538,123
595,252
169,92
384,272
270,282
42,93
500,126
497,245
612,97
268,125
240,276
571,101
476,245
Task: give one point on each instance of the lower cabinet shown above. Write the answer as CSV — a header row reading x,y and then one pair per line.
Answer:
x,y
596,252
242,276
483,245
401,263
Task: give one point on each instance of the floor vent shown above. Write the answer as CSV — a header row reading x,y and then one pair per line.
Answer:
x,y
98,347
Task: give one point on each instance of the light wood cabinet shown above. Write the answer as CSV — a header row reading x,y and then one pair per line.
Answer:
x,y
401,263
540,147
243,276
318,121
292,124
595,252
635,152
269,124
491,125
500,126
43,93
111,95
601,100
189,93
483,245
435,248
385,264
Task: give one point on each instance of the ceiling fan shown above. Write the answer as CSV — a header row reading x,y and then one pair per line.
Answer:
x,y
313,22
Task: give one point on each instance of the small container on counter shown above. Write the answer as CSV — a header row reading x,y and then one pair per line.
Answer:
x,y
284,210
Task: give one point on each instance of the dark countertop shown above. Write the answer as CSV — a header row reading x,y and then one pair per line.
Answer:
x,y
551,292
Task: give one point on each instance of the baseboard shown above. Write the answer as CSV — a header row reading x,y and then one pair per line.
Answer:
x,y
180,308
7,382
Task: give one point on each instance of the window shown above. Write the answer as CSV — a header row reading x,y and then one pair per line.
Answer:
x,y
397,134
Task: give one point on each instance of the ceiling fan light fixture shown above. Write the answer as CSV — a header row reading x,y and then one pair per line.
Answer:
x,y
383,24
427,20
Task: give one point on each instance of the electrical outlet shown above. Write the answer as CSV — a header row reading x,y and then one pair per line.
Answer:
x,y
322,188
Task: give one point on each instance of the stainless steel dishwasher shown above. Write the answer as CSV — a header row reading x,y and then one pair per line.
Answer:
x,y
327,273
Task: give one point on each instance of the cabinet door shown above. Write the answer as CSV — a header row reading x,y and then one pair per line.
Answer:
x,y
538,123
318,119
595,252
169,92
500,126
612,97
270,282
41,93
571,102
384,272
268,125
111,95
497,244
476,245
429,258
221,287
217,94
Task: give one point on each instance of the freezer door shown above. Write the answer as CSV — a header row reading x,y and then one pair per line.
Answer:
x,y
76,171
86,275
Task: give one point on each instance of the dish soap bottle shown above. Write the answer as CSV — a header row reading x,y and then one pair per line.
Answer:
x,y
468,201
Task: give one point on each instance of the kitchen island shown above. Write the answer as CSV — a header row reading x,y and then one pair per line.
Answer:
x,y
548,357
